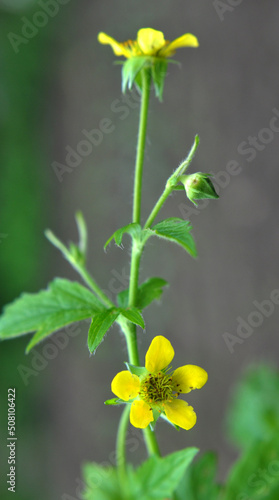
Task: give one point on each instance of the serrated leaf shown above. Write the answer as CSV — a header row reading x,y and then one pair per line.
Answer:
x,y
159,476
199,482
130,70
175,230
133,315
63,302
148,291
133,229
136,370
100,324
159,71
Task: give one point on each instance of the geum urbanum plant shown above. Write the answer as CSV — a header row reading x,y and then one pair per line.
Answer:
x,y
152,391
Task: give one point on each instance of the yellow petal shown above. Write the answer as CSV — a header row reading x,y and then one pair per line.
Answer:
x,y
159,354
188,377
141,414
150,41
186,40
125,385
179,413
118,48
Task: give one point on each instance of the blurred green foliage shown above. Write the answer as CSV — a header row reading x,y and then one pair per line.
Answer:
x,y
23,211
254,412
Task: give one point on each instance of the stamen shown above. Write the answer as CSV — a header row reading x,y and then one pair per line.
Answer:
x,y
156,388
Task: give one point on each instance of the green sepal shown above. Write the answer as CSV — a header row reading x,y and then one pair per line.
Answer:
x,y
148,291
136,370
164,417
199,186
175,230
159,71
156,415
130,70
100,324
62,303
114,402
133,229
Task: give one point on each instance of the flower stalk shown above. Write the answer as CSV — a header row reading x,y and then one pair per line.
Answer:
x,y
172,183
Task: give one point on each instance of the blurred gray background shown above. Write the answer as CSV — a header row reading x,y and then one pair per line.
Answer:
x,y
227,92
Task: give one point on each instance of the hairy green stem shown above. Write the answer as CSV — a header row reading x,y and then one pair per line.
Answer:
x,y
93,285
171,183
141,144
158,206
151,442
130,329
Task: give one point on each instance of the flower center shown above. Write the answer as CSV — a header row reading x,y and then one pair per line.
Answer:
x,y
156,388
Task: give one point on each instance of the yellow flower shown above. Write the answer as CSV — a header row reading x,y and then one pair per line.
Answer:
x,y
149,42
155,392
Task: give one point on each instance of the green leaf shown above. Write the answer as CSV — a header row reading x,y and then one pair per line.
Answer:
x,y
199,482
175,230
159,476
150,290
133,229
255,476
254,409
101,483
159,71
64,302
130,70
100,324
136,370
133,315
156,415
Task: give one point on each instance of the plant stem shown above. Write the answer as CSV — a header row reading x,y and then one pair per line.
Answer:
x,y
136,251
79,268
121,443
141,144
158,206
151,442
92,284
149,436
172,182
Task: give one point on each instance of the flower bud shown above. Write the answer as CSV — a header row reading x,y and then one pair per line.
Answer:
x,y
198,186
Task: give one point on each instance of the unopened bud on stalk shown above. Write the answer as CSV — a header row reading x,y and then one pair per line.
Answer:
x,y
198,186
